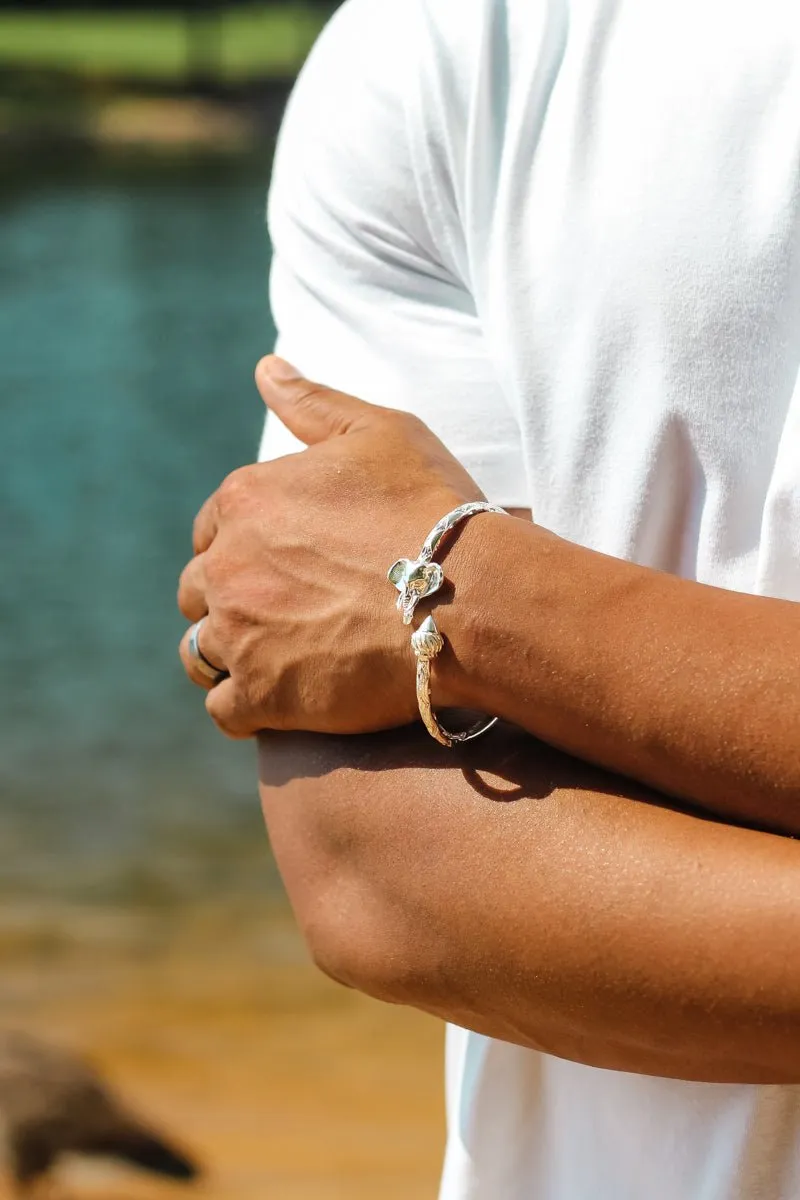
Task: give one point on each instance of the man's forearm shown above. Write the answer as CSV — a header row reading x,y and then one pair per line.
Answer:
x,y
691,689
521,894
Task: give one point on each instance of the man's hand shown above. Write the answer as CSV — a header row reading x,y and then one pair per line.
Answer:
x,y
291,559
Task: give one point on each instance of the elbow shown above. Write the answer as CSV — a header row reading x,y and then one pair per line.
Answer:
x,y
355,939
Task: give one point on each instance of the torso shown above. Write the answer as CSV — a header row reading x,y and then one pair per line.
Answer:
x,y
632,242
639,288
587,218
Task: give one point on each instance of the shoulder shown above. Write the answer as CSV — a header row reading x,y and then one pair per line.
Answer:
x,y
386,48
373,127
370,282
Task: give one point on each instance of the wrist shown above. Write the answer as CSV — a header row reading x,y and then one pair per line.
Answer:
x,y
478,563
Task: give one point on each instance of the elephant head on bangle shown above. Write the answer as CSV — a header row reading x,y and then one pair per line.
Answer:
x,y
414,581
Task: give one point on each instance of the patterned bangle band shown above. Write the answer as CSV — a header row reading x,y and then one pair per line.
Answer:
x,y
426,643
416,580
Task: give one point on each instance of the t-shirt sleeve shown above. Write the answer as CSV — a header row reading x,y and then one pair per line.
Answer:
x,y
368,286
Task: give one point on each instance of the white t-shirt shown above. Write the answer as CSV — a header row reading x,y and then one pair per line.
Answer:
x,y
567,234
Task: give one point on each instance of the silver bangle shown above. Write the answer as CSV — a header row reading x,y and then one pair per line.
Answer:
x,y
426,643
415,580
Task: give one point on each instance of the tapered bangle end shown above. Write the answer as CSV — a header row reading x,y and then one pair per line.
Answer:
x,y
427,642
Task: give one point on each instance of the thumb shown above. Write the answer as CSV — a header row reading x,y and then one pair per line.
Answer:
x,y
310,411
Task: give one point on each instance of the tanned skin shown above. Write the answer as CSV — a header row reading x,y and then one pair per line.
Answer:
x,y
690,689
509,887
518,892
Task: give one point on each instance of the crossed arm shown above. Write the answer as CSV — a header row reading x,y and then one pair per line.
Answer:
x,y
691,689
581,914
521,893
575,911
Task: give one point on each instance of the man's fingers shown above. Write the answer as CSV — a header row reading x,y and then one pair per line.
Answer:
x,y
228,714
310,411
196,669
192,589
206,524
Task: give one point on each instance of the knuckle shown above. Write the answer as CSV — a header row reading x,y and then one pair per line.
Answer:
x,y
198,528
410,424
218,629
219,571
235,488
184,592
221,716
222,705
211,566
233,733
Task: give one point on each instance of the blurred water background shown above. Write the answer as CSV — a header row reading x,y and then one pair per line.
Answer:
x,y
141,916
134,306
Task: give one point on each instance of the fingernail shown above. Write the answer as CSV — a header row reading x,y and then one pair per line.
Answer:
x,y
280,371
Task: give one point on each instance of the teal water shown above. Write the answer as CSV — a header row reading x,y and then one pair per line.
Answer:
x,y
133,307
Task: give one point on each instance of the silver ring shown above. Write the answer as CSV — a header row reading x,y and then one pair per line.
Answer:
x,y
215,674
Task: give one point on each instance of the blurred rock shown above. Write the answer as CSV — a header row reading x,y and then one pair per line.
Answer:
x,y
53,1103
